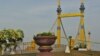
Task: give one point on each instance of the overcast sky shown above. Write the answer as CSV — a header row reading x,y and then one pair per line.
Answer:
x,y
34,16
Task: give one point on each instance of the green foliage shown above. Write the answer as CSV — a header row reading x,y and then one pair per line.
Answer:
x,y
6,34
20,33
11,33
45,34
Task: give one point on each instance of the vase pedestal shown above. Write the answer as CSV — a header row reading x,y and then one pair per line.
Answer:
x,y
45,43
45,48
12,49
45,51
3,49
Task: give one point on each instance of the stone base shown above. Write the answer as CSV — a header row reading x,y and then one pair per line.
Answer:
x,y
67,50
45,54
45,48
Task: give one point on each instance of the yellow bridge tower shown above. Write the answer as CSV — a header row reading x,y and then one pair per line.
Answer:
x,y
81,34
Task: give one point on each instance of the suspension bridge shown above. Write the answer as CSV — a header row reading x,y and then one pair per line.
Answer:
x,y
75,45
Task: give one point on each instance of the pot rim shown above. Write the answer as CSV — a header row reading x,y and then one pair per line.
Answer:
x,y
46,37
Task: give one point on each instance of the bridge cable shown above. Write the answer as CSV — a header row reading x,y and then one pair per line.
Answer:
x,y
53,25
64,30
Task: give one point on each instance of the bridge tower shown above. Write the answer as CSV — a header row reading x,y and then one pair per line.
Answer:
x,y
81,34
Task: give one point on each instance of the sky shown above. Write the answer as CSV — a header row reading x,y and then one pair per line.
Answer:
x,y
35,16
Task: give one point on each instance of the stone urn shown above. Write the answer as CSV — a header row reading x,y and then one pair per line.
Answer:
x,y
45,41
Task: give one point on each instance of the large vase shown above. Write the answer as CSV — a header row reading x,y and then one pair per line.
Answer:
x,y
45,42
